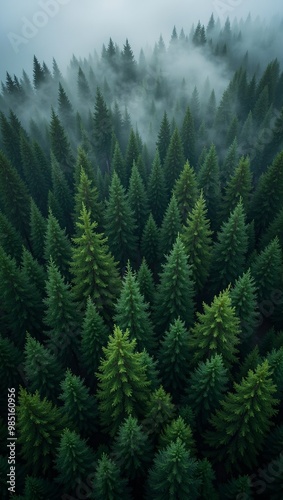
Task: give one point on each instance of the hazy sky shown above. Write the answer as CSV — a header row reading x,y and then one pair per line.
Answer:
x,y
59,28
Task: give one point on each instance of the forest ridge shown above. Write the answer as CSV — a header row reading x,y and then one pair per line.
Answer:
x,y
141,272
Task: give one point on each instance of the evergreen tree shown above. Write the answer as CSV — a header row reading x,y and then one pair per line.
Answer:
x,y
62,194
138,199
157,190
120,223
102,131
174,160
210,183
87,194
94,336
123,386
196,237
78,405
108,482
60,145
238,188
38,225
10,239
216,331
118,164
267,270
10,360
129,69
57,245
150,242
275,229
170,228
188,137
40,425
132,313
175,292
159,412
83,163
246,417
83,86
164,137
178,429
174,474
186,191
244,299
230,163
74,460
33,172
228,258
131,156
42,369
206,387
174,356
146,282
66,111
93,267
131,448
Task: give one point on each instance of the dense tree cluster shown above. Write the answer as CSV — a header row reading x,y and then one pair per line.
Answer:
x,y
141,274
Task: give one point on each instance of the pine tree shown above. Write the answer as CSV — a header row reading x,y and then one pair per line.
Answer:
x,y
132,449
108,482
186,191
238,188
37,488
170,228
131,156
74,460
159,412
216,331
122,386
102,131
60,145
120,223
87,194
245,414
57,245
138,199
150,243
196,237
174,160
83,86
94,336
132,313
83,163
174,356
178,429
188,137
10,239
244,299
206,387
164,137
274,229
40,425
118,164
174,474
10,361
267,270
34,175
78,404
157,190
228,258
209,182
129,69
42,369
65,107
175,292
93,267
62,194
146,282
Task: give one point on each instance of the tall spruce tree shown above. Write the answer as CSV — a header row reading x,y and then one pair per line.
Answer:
x,y
57,245
108,482
157,190
209,181
174,160
238,188
186,191
138,199
267,270
150,243
164,137
244,299
170,228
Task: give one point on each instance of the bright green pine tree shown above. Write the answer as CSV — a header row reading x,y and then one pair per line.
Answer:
x,y
160,411
170,228
188,137
42,369
94,336
206,387
132,313
186,191
267,270
229,253
138,199
118,164
174,356
108,482
21,306
164,136
14,196
174,160
62,316
209,181
74,460
178,429
132,449
79,406
93,267
87,194
131,155
267,200
38,225
62,193
216,331
196,237
174,474
146,282
123,387
175,292
40,425
57,245
150,243
244,299
120,223
244,419
83,163
157,190
10,238
238,188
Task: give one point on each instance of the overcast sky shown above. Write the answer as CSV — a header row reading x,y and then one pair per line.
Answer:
x,y
59,28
